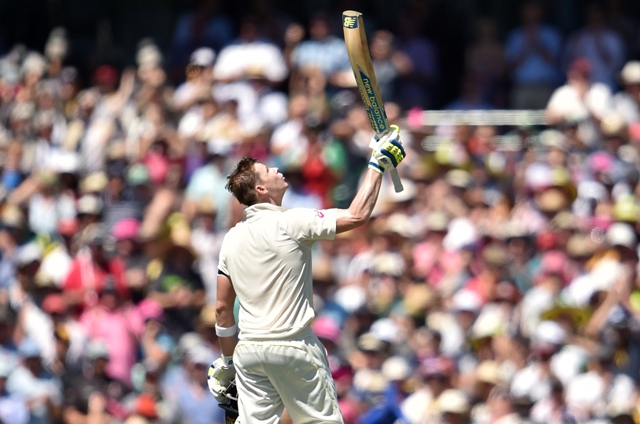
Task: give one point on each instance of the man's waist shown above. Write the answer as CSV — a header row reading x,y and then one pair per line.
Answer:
x,y
266,336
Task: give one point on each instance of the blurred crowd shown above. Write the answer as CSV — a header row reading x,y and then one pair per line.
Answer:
x,y
501,286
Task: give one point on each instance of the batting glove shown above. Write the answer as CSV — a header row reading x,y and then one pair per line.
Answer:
x,y
221,374
388,151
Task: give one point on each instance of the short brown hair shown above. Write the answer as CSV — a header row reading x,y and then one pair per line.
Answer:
x,y
243,180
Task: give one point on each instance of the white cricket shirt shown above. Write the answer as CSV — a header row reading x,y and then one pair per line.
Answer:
x,y
268,259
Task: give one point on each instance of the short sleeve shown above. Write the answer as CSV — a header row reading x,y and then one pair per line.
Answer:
x,y
311,224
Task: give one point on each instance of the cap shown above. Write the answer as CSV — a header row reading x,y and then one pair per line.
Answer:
x,y
206,206
452,401
146,406
466,300
138,174
28,254
458,178
106,74
549,333
89,205
327,328
494,254
369,343
553,139
621,234
203,56
150,309
489,372
12,217
613,124
389,263
94,183
148,55
201,355
437,221
29,349
97,349
126,228
68,226
552,200
397,368
631,73
54,303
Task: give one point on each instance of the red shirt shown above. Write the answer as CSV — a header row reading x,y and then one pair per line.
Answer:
x,y
87,276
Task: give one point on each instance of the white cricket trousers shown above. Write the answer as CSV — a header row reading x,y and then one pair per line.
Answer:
x,y
292,374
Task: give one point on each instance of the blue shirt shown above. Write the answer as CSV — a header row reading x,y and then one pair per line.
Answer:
x,y
534,69
201,409
329,55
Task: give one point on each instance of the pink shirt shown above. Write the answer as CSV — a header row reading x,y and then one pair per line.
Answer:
x,y
119,330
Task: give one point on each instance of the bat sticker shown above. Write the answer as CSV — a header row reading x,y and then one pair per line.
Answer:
x,y
377,115
349,21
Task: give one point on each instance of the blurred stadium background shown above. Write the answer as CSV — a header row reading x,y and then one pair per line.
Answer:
x,y
500,287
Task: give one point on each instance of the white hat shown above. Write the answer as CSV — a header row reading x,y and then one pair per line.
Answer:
x,y
351,297
203,56
631,73
461,233
396,368
148,55
466,300
27,254
89,204
549,332
389,263
452,401
384,329
621,234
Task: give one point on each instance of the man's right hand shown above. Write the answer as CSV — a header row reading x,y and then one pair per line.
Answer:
x,y
221,374
388,151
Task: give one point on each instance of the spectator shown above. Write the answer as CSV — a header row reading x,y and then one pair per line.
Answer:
x,y
600,45
627,102
323,51
194,405
418,88
389,64
532,54
13,408
204,27
199,78
581,100
41,391
91,393
485,60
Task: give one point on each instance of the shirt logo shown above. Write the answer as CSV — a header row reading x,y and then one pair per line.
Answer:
x,y
320,214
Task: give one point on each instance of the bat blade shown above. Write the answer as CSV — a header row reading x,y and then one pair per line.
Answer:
x,y
358,49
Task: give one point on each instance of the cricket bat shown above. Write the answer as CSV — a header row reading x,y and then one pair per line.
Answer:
x,y
358,49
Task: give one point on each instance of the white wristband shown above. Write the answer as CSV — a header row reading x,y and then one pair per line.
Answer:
x,y
226,331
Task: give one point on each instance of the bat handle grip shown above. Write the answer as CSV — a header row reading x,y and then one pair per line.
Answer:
x,y
397,184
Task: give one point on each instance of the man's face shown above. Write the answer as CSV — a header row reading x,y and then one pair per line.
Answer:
x,y
272,180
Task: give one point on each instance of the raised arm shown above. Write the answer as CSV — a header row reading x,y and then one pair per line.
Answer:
x,y
362,205
389,154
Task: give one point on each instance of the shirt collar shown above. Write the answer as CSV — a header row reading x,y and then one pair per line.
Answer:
x,y
253,210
